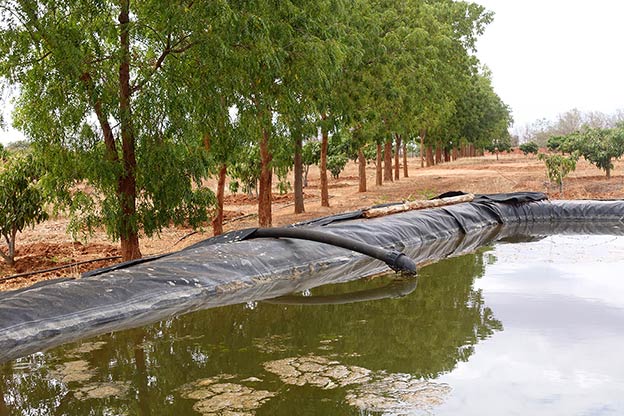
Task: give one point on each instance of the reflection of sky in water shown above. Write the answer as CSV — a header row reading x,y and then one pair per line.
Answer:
x,y
561,301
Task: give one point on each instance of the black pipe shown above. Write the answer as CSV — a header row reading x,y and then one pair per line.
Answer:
x,y
396,260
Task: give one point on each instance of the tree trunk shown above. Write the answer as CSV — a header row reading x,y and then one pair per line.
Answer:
x,y
298,172
455,153
126,185
9,258
361,170
388,160
430,161
265,218
447,155
323,166
305,176
378,168
438,154
397,155
608,170
405,170
217,221
422,147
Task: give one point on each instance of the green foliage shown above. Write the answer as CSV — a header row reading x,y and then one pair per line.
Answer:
x,y
529,148
283,186
311,154
598,146
109,103
500,144
556,143
22,203
362,70
246,170
559,166
336,163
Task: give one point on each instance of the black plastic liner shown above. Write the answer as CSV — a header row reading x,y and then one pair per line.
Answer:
x,y
234,269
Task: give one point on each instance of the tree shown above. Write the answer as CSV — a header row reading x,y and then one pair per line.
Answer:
x,y
599,146
103,98
311,155
530,147
22,202
559,166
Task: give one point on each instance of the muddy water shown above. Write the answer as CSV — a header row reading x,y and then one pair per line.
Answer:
x,y
525,328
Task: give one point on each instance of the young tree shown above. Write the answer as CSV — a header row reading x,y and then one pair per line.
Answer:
x,y
559,166
22,202
528,148
599,146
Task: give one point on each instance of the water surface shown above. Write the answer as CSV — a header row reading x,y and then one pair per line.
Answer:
x,y
526,328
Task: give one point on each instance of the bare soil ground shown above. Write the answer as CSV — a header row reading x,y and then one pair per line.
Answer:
x,y
48,245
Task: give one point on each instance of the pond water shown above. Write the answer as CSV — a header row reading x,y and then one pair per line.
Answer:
x,y
523,327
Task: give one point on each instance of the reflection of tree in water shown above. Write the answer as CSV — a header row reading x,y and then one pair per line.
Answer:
x,y
424,334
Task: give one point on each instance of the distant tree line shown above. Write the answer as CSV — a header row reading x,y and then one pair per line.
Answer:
x,y
571,121
142,101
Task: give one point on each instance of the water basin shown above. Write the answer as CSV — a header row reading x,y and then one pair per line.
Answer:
x,y
517,327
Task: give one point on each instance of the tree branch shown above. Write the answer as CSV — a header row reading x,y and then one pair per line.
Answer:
x,y
96,103
169,49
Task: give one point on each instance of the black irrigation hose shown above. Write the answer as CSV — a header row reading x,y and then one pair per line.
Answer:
x,y
396,260
65,266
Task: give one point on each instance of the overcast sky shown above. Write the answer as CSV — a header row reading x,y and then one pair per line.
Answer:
x,y
549,56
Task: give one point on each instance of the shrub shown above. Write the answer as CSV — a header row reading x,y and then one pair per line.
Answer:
x,y
529,147
336,163
21,201
558,166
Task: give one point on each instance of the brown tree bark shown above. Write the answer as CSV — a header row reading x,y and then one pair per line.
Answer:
x,y
378,168
447,155
126,185
9,258
265,217
455,153
387,177
423,132
298,172
217,221
361,171
323,166
397,155
438,154
429,152
405,170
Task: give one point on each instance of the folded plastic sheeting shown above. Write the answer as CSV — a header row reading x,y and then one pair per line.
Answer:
x,y
232,269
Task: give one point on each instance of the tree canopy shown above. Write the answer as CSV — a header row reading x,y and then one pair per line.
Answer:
x,y
142,101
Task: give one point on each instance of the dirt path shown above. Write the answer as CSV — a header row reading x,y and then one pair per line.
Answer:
x,y
48,244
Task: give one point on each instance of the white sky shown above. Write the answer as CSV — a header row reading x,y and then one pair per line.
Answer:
x,y
550,56
547,57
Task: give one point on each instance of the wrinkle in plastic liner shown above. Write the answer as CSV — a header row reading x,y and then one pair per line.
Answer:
x,y
230,269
